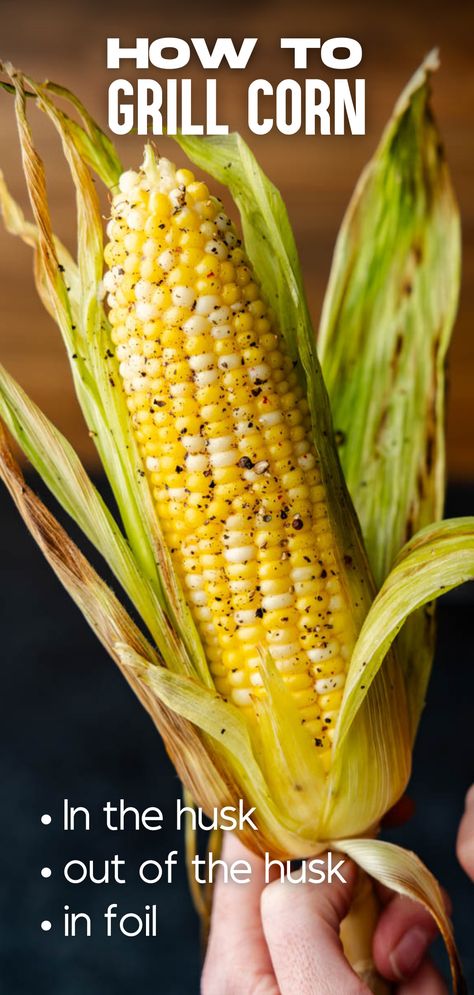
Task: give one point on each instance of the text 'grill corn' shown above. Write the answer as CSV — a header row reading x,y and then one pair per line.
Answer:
x,y
224,430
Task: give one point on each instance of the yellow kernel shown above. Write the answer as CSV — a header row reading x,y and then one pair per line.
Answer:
x,y
242,276
230,293
191,240
243,322
226,272
155,226
250,292
114,254
209,285
208,209
186,219
185,177
197,191
191,257
159,204
150,270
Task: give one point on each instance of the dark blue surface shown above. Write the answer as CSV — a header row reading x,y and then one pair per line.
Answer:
x,y
70,727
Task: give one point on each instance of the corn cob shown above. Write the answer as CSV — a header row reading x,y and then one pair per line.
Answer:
x,y
224,431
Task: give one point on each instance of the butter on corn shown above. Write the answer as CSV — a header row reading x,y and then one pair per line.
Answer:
x,y
224,431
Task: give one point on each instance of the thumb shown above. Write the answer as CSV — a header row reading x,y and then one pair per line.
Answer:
x,y
301,926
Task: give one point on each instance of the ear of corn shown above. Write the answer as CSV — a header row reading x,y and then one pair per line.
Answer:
x,y
225,435
309,790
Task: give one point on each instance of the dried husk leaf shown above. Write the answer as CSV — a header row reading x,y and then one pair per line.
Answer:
x,y
385,328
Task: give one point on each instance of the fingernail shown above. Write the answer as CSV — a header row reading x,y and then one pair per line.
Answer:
x,y
408,955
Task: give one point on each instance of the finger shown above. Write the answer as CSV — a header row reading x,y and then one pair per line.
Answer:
x,y
301,925
426,981
403,934
465,842
237,959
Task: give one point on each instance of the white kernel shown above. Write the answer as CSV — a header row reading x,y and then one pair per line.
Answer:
x,y
240,554
219,460
128,181
320,653
196,462
289,665
205,361
122,352
136,219
217,249
206,377
284,651
305,587
198,598
193,582
221,444
167,260
152,367
140,382
245,616
220,315
229,362
256,679
241,696
143,290
336,602
271,418
230,238
307,461
112,278
237,586
301,573
221,331
326,684
134,364
259,372
195,325
275,601
183,296
193,443
145,311
207,303
242,428
236,539
152,464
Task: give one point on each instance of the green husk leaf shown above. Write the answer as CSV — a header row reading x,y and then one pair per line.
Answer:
x,y
63,473
385,328
403,872
365,780
436,560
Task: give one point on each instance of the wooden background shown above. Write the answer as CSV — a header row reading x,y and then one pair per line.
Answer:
x,y
66,42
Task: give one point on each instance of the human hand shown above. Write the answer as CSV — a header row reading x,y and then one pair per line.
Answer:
x,y
283,939
465,843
